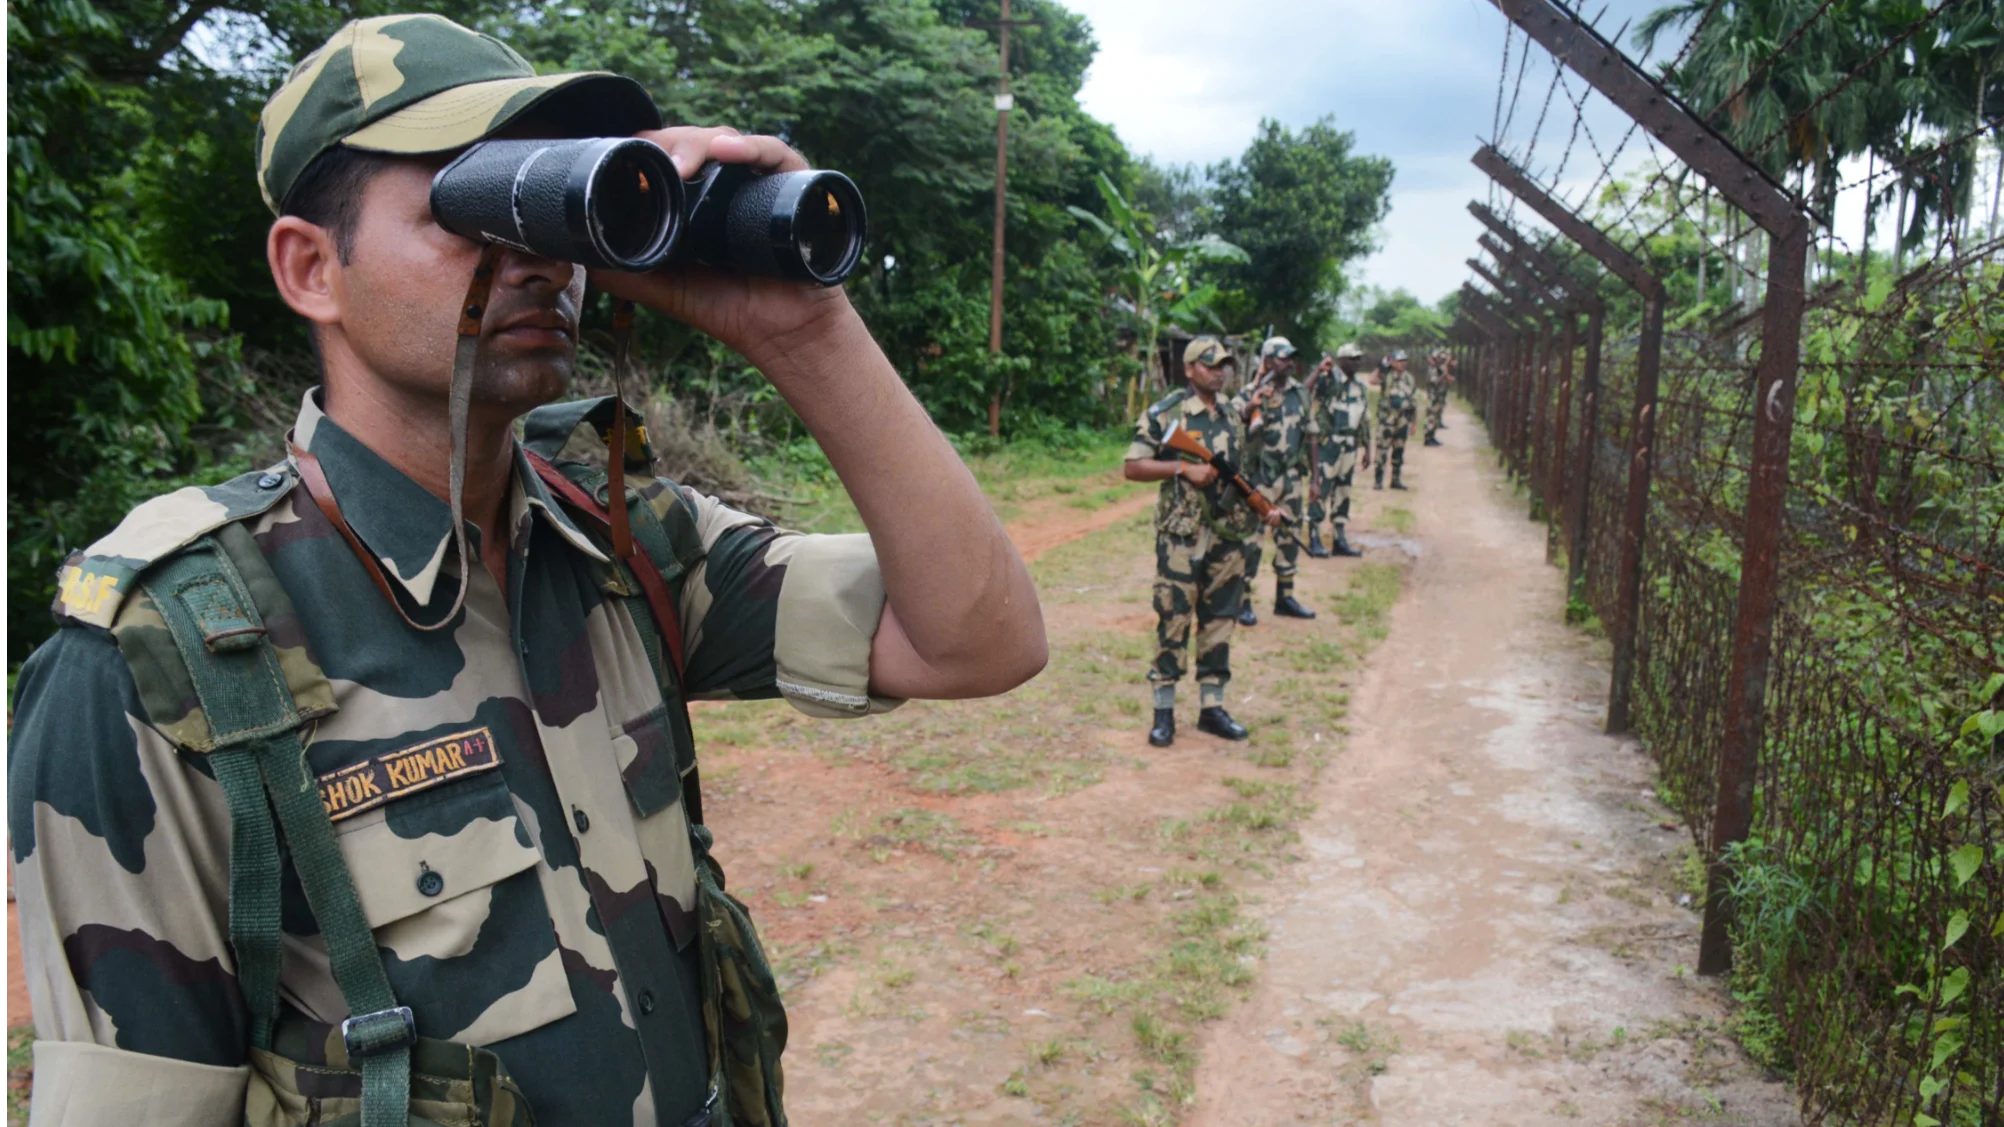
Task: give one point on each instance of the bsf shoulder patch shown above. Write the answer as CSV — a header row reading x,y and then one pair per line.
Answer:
x,y
366,785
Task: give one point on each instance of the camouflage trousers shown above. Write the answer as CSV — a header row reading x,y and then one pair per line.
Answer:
x,y
1335,469
1288,493
1394,427
1436,408
1199,582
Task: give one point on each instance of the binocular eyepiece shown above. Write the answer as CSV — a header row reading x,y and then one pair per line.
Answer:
x,y
617,203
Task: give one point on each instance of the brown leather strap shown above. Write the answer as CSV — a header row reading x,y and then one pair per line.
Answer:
x,y
315,480
622,341
659,600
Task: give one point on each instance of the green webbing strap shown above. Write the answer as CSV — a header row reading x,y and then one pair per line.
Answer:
x,y
254,731
254,873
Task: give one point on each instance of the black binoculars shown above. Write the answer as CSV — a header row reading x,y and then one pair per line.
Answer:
x,y
617,203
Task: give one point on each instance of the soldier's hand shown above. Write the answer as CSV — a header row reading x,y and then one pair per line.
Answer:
x,y
1367,458
1199,474
1274,517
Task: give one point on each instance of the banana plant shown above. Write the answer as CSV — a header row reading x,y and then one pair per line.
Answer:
x,y
1156,279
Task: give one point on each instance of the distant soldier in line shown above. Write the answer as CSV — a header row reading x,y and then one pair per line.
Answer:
x,y
1340,431
1397,405
1275,410
1440,384
1201,524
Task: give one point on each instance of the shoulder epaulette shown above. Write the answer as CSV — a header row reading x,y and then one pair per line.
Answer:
x,y
96,581
1156,408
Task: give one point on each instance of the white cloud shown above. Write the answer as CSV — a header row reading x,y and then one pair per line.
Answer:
x,y
1415,80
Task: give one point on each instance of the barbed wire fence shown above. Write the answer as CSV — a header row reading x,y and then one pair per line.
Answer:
x,y
1781,492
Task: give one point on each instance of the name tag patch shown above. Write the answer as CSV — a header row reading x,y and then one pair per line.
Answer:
x,y
364,786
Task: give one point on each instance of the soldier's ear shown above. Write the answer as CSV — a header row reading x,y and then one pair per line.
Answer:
x,y
306,266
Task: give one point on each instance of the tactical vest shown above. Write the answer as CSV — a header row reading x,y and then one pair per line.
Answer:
x,y
216,594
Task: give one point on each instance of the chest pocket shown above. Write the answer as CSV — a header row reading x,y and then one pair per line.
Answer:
x,y
653,753
449,884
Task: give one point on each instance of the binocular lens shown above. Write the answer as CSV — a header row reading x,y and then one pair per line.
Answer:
x,y
634,211
825,233
616,203
609,202
804,226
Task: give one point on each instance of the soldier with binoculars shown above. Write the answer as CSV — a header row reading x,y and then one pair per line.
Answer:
x,y
364,786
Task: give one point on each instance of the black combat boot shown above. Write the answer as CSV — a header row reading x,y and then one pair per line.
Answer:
x,y
1217,722
1285,606
1164,732
1396,483
1246,615
1432,441
1341,545
1378,479
1315,548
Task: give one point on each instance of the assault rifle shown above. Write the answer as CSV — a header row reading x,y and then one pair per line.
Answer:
x,y
1189,445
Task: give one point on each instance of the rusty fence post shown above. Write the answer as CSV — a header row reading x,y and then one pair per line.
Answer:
x,y
1641,456
1577,497
1768,203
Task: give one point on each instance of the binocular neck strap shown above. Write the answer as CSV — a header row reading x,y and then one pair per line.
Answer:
x,y
460,401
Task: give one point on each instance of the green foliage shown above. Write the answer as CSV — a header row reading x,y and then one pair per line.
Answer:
x,y
1301,204
1156,280
1381,320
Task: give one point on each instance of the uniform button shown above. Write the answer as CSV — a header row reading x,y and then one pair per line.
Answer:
x,y
646,1002
581,819
428,882
271,481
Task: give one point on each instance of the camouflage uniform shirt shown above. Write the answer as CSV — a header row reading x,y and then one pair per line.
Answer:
x,y
506,791
1182,508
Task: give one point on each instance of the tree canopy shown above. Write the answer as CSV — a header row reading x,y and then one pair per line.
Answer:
x,y
149,348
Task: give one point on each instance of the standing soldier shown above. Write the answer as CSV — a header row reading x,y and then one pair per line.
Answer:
x,y
1338,424
1275,411
1201,524
1397,403
362,789
1440,383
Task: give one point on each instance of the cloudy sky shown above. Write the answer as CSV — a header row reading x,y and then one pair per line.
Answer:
x,y
1415,80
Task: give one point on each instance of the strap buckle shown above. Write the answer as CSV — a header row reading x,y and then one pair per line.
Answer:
x,y
384,1031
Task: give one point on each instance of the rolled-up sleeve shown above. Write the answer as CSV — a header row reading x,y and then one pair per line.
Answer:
x,y
121,858
829,606
773,613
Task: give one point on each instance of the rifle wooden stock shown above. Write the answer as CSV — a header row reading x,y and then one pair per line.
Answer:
x,y
1183,442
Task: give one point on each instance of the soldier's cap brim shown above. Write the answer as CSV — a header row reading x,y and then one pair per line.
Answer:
x,y
582,104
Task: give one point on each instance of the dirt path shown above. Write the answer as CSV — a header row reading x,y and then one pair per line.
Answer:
x,y
1484,928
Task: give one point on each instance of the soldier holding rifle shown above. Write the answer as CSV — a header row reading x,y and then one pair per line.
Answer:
x,y
1339,432
1276,413
1189,441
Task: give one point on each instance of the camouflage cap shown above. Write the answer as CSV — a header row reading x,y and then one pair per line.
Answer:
x,y
416,84
1398,354
1350,351
1276,346
1208,351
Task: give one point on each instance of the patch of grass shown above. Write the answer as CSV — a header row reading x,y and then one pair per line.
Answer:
x,y
1318,656
20,1072
792,965
916,827
1401,521
796,872
1134,893
1372,1049
1265,805
1366,606
1000,944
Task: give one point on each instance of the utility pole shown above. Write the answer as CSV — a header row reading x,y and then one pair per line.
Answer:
x,y
1004,102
